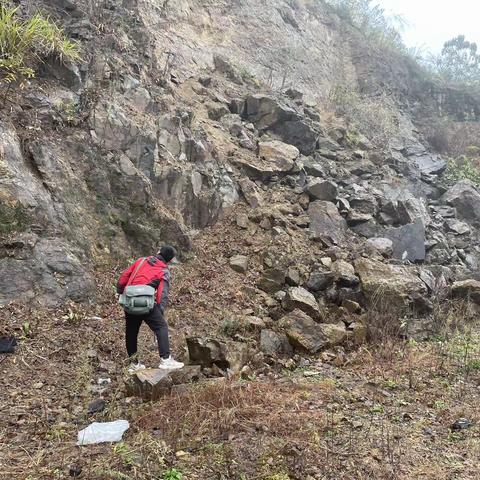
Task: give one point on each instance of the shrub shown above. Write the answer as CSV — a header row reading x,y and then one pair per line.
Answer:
x,y
373,117
462,168
371,21
24,43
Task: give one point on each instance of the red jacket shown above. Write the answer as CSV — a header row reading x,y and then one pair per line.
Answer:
x,y
153,272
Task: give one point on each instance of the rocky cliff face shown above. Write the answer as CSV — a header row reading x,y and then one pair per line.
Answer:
x,y
182,109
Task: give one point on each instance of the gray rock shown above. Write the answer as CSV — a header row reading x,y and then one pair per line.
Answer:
x,y
207,352
364,203
408,241
382,245
272,280
280,157
355,218
299,298
324,143
306,334
400,207
322,190
467,289
319,281
326,223
388,286
293,277
243,221
313,168
466,200
251,193
269,114
96,406
457,227
429,163
222,65
149,384
275,344
217,110
239,263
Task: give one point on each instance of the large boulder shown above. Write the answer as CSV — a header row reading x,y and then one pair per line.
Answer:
x,y
388,285
274,158
408,241
279,155
306,334
400,207
467,289
268,114
429,163
207,352
466,199
326,223
301,299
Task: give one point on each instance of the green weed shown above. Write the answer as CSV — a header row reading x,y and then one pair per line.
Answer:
x,y
24,43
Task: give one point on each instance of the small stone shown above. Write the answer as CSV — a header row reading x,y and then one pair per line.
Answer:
x,y
304,201
242,221
75,471
461,424
326,262
358,332
350,306
293,277
280,295
266,224
255,323
181,453
97,405
272,280
239,263
38,385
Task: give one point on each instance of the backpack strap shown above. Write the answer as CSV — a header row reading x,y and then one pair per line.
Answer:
x,y
132,278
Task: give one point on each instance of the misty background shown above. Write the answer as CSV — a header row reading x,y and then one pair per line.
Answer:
x,y
429,23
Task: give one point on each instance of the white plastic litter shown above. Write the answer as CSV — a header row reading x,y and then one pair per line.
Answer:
x,y
104,381
103,432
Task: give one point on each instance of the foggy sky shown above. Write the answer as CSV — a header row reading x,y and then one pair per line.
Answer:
x,y
432,22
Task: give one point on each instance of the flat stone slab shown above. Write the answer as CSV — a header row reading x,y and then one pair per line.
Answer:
x,y
154,383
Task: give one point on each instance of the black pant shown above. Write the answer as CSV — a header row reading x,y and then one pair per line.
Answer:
x,y
156,321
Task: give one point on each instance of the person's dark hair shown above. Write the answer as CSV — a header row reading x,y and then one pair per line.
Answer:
x,y
167,252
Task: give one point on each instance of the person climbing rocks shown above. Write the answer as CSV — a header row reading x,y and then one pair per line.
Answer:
x,y
154,272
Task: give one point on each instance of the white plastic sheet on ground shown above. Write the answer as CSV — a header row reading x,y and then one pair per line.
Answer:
x,y
103,432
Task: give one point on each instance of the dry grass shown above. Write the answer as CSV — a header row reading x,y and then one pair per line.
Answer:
x,y
218,409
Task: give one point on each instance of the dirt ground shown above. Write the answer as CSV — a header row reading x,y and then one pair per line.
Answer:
x,y
383,411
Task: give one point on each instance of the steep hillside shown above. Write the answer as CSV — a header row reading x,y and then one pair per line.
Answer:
x,y
322,245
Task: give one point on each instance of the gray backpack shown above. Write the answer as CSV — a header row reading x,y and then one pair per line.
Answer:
x,y
137,299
